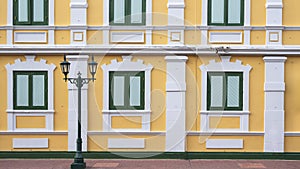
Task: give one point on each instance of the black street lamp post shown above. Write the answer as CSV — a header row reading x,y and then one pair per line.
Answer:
x,y
79,82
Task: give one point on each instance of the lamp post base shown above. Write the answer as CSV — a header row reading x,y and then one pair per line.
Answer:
x,y
78,165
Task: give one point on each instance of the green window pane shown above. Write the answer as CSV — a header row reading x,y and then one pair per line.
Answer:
x,y
233,91
216,84
119,11
136,11
23,11
38,90
217,11
135,91
22,90
38,10
118,90
234,11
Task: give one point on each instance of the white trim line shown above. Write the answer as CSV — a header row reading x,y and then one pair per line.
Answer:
x,y
28,132
225,133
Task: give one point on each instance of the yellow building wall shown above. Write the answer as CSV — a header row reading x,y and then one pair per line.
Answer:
x,y
192,12
291,144
159,37
159,12
251,143
256,90
290,13
126,122
55,142
30,122
3,12
94,13
290,37
258,38
258,12
192,37
158,98
2,36
62,12
292,96
94,37
62,37
153,143
224,122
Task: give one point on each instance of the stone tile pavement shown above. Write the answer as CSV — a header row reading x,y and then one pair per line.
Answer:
x,y
149,164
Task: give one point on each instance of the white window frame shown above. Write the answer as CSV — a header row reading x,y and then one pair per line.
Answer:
x,y
30,65
225,66
126,65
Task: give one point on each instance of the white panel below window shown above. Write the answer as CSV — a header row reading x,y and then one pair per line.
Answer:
x,y
126,143
225,143
30,37
131,37
225,37
30,143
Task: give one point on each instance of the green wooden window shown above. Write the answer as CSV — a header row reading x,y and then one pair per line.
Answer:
x,y
30,12
225,91
30,90
127,12
226,12
126,90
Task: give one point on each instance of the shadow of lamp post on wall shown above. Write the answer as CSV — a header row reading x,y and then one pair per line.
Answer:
x,y
79,82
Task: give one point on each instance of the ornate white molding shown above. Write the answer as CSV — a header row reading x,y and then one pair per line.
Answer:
x,y
29,65
225,66
126,65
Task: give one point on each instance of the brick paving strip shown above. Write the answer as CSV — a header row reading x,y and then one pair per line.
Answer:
x,y
149,164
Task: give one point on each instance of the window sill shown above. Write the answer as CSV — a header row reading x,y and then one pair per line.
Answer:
x,y
30,111
225,112
126,111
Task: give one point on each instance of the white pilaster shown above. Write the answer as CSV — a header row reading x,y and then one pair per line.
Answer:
x,y
176,18
175,106
274,104
78,63
78,18
274,22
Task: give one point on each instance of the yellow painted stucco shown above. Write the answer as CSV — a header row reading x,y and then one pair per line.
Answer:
x,y
159,37
3,12
192,12
2,36
55,142
258,12
290,37
291,96
291,144
251,143
192,93
192,37
30,122
157,92
126,122
160,12
256,90
60,93
153,143
94,14
129,31
62,37
224,122
258,38
290,11
62,12
94,37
